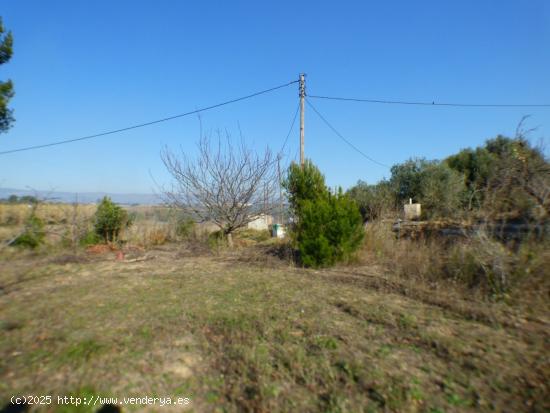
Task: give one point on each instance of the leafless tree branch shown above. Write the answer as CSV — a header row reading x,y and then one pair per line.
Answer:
x,y
227,184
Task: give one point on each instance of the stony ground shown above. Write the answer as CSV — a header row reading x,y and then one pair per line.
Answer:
x,y
248,332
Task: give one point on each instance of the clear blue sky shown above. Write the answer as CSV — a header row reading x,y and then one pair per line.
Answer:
x,y
86,67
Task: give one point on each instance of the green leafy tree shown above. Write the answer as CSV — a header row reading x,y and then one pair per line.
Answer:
x,y
407,179
476,165
519,186
435,185
374,201
442,191
6,88
110,219
328,227
505,178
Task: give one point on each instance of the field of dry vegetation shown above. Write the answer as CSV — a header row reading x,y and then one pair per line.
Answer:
x,y
409,326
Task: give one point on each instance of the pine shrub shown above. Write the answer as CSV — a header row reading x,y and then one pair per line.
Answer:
x,y
328,226
110,219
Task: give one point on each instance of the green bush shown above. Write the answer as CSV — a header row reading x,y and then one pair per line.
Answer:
x,y
33,235
505,178
185,227
434,184
329,230
304,183
374,201
110,219
90,238
328,227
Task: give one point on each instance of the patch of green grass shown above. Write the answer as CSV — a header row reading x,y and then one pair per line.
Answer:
x,y
455,400
327,343
415,390
254,235
146,333
81,351
38,355
406,321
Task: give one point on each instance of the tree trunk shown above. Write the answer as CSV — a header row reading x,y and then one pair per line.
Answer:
x,y
229,239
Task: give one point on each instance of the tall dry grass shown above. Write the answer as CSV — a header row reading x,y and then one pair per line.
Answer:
x,y
66,225
478,264
147,233
17,214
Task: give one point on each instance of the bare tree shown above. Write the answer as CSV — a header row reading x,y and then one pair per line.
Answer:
x,y
225,184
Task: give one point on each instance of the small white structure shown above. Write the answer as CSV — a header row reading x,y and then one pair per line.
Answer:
x,y
278,231
261,222
412,211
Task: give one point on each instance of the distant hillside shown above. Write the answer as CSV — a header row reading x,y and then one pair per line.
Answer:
x,y
84,197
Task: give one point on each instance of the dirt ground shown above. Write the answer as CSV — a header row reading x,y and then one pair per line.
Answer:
x,y
246,331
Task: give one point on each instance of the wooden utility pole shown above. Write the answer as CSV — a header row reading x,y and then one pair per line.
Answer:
x,y
302,99
280,191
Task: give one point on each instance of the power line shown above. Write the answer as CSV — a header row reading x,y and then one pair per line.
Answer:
x,y
291,127
141,125
342,137
433,103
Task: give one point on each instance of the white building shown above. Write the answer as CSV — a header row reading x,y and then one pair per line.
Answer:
x,y
261,222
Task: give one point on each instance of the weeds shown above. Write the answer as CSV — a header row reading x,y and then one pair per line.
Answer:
x,y
17,214
81,351
482,262
185,228
254,235
33,235
89,238
478,262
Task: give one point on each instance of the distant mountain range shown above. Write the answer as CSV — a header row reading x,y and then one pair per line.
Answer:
x,y
83,197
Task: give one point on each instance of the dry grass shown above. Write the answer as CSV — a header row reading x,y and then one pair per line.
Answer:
x,y
152,225
238,332
148,233
478,266
17,214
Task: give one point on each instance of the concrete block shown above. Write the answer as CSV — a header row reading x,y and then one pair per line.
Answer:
x,y
412,211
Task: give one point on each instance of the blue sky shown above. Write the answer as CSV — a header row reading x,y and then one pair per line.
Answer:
x,y
86,67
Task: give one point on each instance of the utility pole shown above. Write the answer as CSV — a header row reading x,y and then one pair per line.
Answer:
x,y
280,190
302,99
